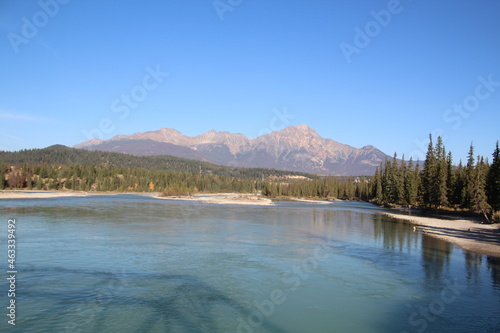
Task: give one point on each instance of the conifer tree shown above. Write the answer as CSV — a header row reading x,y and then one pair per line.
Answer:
x,y
411,184
450,179
469,178
479,201
399,179
428,175
377,185
459,188
387,183
439,186
493,181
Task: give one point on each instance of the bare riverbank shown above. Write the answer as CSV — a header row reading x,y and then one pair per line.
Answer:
x,y
468,234
225,198
40,194
214,198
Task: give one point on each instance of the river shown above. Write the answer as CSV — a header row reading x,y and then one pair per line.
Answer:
x,y
129,263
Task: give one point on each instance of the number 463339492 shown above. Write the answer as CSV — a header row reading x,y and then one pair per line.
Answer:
x,y
11,244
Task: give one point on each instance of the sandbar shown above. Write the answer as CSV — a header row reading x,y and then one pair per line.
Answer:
x,y
225,198
468,234
40,194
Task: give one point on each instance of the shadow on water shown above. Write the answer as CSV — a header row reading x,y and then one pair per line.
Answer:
x,y
494,267
435,256
98,302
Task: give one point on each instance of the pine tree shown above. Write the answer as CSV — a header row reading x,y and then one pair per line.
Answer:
x,y
493,181
459,188
439,186
479,201
399,178
450,179
410,184
376,183
428,175
387,183
469,177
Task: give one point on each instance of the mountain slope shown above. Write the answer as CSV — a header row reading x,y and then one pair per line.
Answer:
x,y
62,155
297,148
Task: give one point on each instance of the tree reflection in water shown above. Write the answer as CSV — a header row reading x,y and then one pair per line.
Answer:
x,y
165,303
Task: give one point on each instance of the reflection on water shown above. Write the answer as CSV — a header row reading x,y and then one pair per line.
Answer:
x,y
135,264
435,256
101,301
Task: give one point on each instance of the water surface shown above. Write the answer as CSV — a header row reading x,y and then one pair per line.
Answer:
x,y
130,263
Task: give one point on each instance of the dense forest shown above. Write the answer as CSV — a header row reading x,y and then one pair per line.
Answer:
x,y
436,183
63,168
474,186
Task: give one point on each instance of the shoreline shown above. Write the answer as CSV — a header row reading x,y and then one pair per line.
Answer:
x,y
212,198
224,198
39,194
470,235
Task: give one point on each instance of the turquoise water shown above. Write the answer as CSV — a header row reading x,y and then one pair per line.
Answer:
x,y
129,263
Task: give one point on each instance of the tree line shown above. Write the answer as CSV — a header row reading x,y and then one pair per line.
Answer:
x,y
438,184
320,187
106,178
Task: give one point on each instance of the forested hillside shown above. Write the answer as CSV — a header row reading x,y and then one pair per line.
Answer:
x,y
62,168
62,155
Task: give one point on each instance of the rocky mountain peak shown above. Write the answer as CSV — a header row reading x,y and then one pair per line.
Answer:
x,y
297,148
306,130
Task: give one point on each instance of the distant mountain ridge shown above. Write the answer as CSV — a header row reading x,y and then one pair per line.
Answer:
x,y
61,155
296,148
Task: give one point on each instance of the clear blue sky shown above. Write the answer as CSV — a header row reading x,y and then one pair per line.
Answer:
x,y
67,70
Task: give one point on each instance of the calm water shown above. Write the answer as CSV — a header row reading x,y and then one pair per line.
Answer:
x,y
136,264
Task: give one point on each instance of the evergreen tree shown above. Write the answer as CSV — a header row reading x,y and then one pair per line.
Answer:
x,y
450,179
410,184
376,184
387,183
428,175
399,173
439,186
469,179
493,181
459,188
479,201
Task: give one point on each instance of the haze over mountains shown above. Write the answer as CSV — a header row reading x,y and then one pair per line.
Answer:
x,y
297,148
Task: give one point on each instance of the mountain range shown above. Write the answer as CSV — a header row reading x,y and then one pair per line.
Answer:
x,y
295,148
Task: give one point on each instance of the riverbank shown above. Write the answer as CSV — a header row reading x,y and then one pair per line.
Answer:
x,y
470,235
213,198
225,198
40,194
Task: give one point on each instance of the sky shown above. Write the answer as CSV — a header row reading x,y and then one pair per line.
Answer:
x,y
381,73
